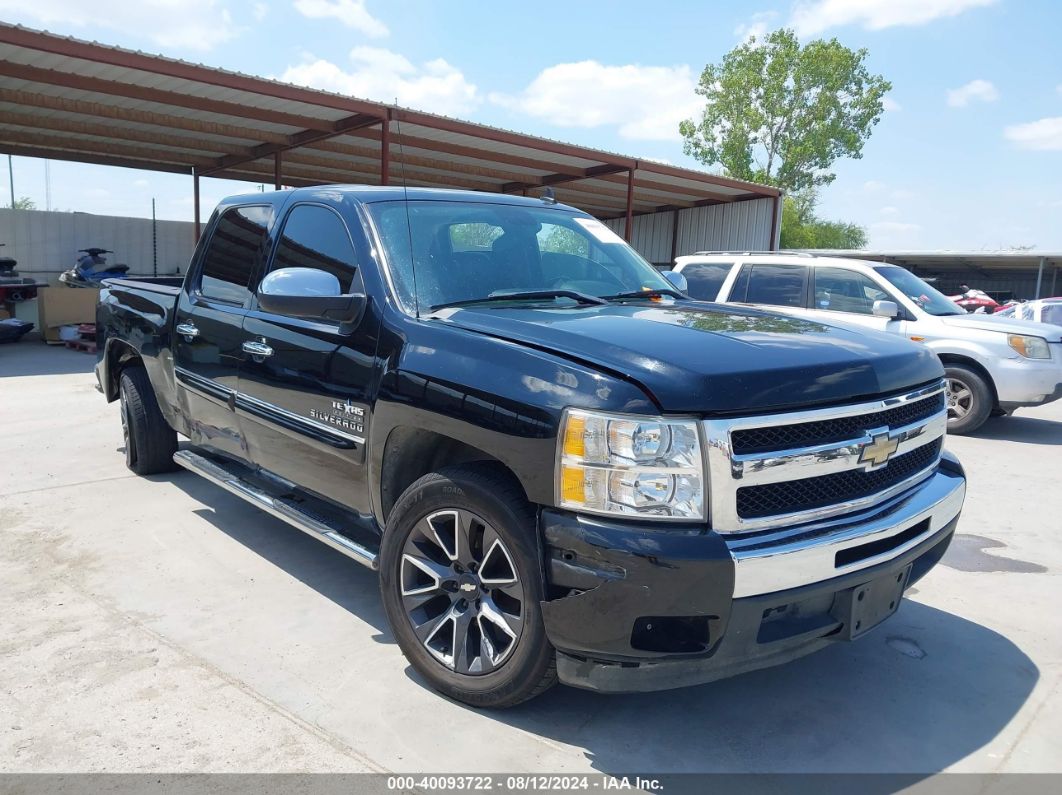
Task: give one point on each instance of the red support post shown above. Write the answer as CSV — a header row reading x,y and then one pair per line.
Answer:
x,y
629,226
276,170
195,202
385,151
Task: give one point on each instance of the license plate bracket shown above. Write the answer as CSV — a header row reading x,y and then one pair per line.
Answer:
x,y
863,607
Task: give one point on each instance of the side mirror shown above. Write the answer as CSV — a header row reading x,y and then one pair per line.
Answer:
x,y
887,309
678,281
311,294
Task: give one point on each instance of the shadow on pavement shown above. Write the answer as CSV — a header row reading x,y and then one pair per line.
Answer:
x,y
917,695
30,356
327,571
1029,430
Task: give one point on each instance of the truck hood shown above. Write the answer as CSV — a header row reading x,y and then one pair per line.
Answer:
x,y
1004,324
700,357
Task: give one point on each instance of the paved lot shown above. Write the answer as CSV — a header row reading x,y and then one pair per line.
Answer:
x,y
162,624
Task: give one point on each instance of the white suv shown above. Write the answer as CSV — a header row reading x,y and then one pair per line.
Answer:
x,y
994,365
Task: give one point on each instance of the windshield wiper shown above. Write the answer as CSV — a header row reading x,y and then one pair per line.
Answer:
x,y
530,295
644,294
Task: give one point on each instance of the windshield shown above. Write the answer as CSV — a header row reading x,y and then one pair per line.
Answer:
x,y
928,298
464,251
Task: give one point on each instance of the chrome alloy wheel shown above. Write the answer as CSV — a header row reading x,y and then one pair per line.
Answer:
x,y
461,591
123,406
960,399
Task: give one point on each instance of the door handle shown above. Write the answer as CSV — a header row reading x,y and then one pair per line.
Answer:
x,y
188,331
257,349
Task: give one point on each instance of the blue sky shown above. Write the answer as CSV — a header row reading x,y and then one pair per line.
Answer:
x,y
968,155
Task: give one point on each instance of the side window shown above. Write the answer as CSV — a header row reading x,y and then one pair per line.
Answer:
x,y
316,237
705,279
777,285
232,253
841,290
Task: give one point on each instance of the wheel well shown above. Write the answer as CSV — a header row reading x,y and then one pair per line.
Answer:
x,y
119,356
977,367
411,453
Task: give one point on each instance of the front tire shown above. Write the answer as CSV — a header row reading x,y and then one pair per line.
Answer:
x,y
461,583
969,399
149,440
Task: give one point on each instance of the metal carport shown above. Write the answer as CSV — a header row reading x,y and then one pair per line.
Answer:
x,y
68,99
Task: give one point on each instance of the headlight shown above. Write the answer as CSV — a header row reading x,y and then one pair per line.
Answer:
x,y
1029,347
630,466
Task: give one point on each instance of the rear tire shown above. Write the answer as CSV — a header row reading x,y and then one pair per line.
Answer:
x,y
969,399
466,612
149,440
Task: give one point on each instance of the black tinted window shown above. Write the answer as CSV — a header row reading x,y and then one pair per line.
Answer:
x,y
232,253
315,237
777,285
705,279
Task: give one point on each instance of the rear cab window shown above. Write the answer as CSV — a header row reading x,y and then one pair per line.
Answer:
x,y
232,254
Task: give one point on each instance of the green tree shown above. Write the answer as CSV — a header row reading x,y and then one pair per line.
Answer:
x,y
802,228
781,114
23,203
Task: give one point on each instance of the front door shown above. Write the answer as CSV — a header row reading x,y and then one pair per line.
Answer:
x,y
305,383
208,332
851,295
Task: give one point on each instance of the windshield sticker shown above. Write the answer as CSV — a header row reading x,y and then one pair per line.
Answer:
x,y
599,230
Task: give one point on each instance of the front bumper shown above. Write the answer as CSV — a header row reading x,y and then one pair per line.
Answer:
x,y
649,608
1023,382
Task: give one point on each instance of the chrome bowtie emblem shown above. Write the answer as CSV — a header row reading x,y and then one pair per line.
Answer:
x,y
468,587
878,451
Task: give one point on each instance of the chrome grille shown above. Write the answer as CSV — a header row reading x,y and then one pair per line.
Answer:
x,y
798,467
801,495
804,434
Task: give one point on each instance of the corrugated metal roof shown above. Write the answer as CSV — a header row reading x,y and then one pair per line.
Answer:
x,y
948,258
70,99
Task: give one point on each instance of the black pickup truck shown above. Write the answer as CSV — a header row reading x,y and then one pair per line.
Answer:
x,y
560,465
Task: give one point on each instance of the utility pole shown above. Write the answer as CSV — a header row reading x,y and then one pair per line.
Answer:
x,y
11,177
154,241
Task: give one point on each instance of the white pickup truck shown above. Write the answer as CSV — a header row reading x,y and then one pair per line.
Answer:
x,y
994,365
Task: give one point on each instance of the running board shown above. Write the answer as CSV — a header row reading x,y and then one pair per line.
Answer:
x,y
319,527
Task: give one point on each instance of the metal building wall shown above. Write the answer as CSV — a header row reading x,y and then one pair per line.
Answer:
x,y
743,226
46,243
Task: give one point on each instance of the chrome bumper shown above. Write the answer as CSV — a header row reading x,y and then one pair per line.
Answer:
x,y
765,563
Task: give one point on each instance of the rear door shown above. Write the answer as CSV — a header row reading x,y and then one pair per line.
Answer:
x,y
705,279
208,332
771,284
304,405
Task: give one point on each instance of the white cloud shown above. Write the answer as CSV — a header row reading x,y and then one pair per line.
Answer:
x,y
189,24
1043,135
814,16
888,103
974,91
351,13
758,25
645,102
383,75
891,227
889,210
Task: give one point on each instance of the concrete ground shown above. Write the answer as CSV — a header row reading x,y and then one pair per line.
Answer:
x,y
161,624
